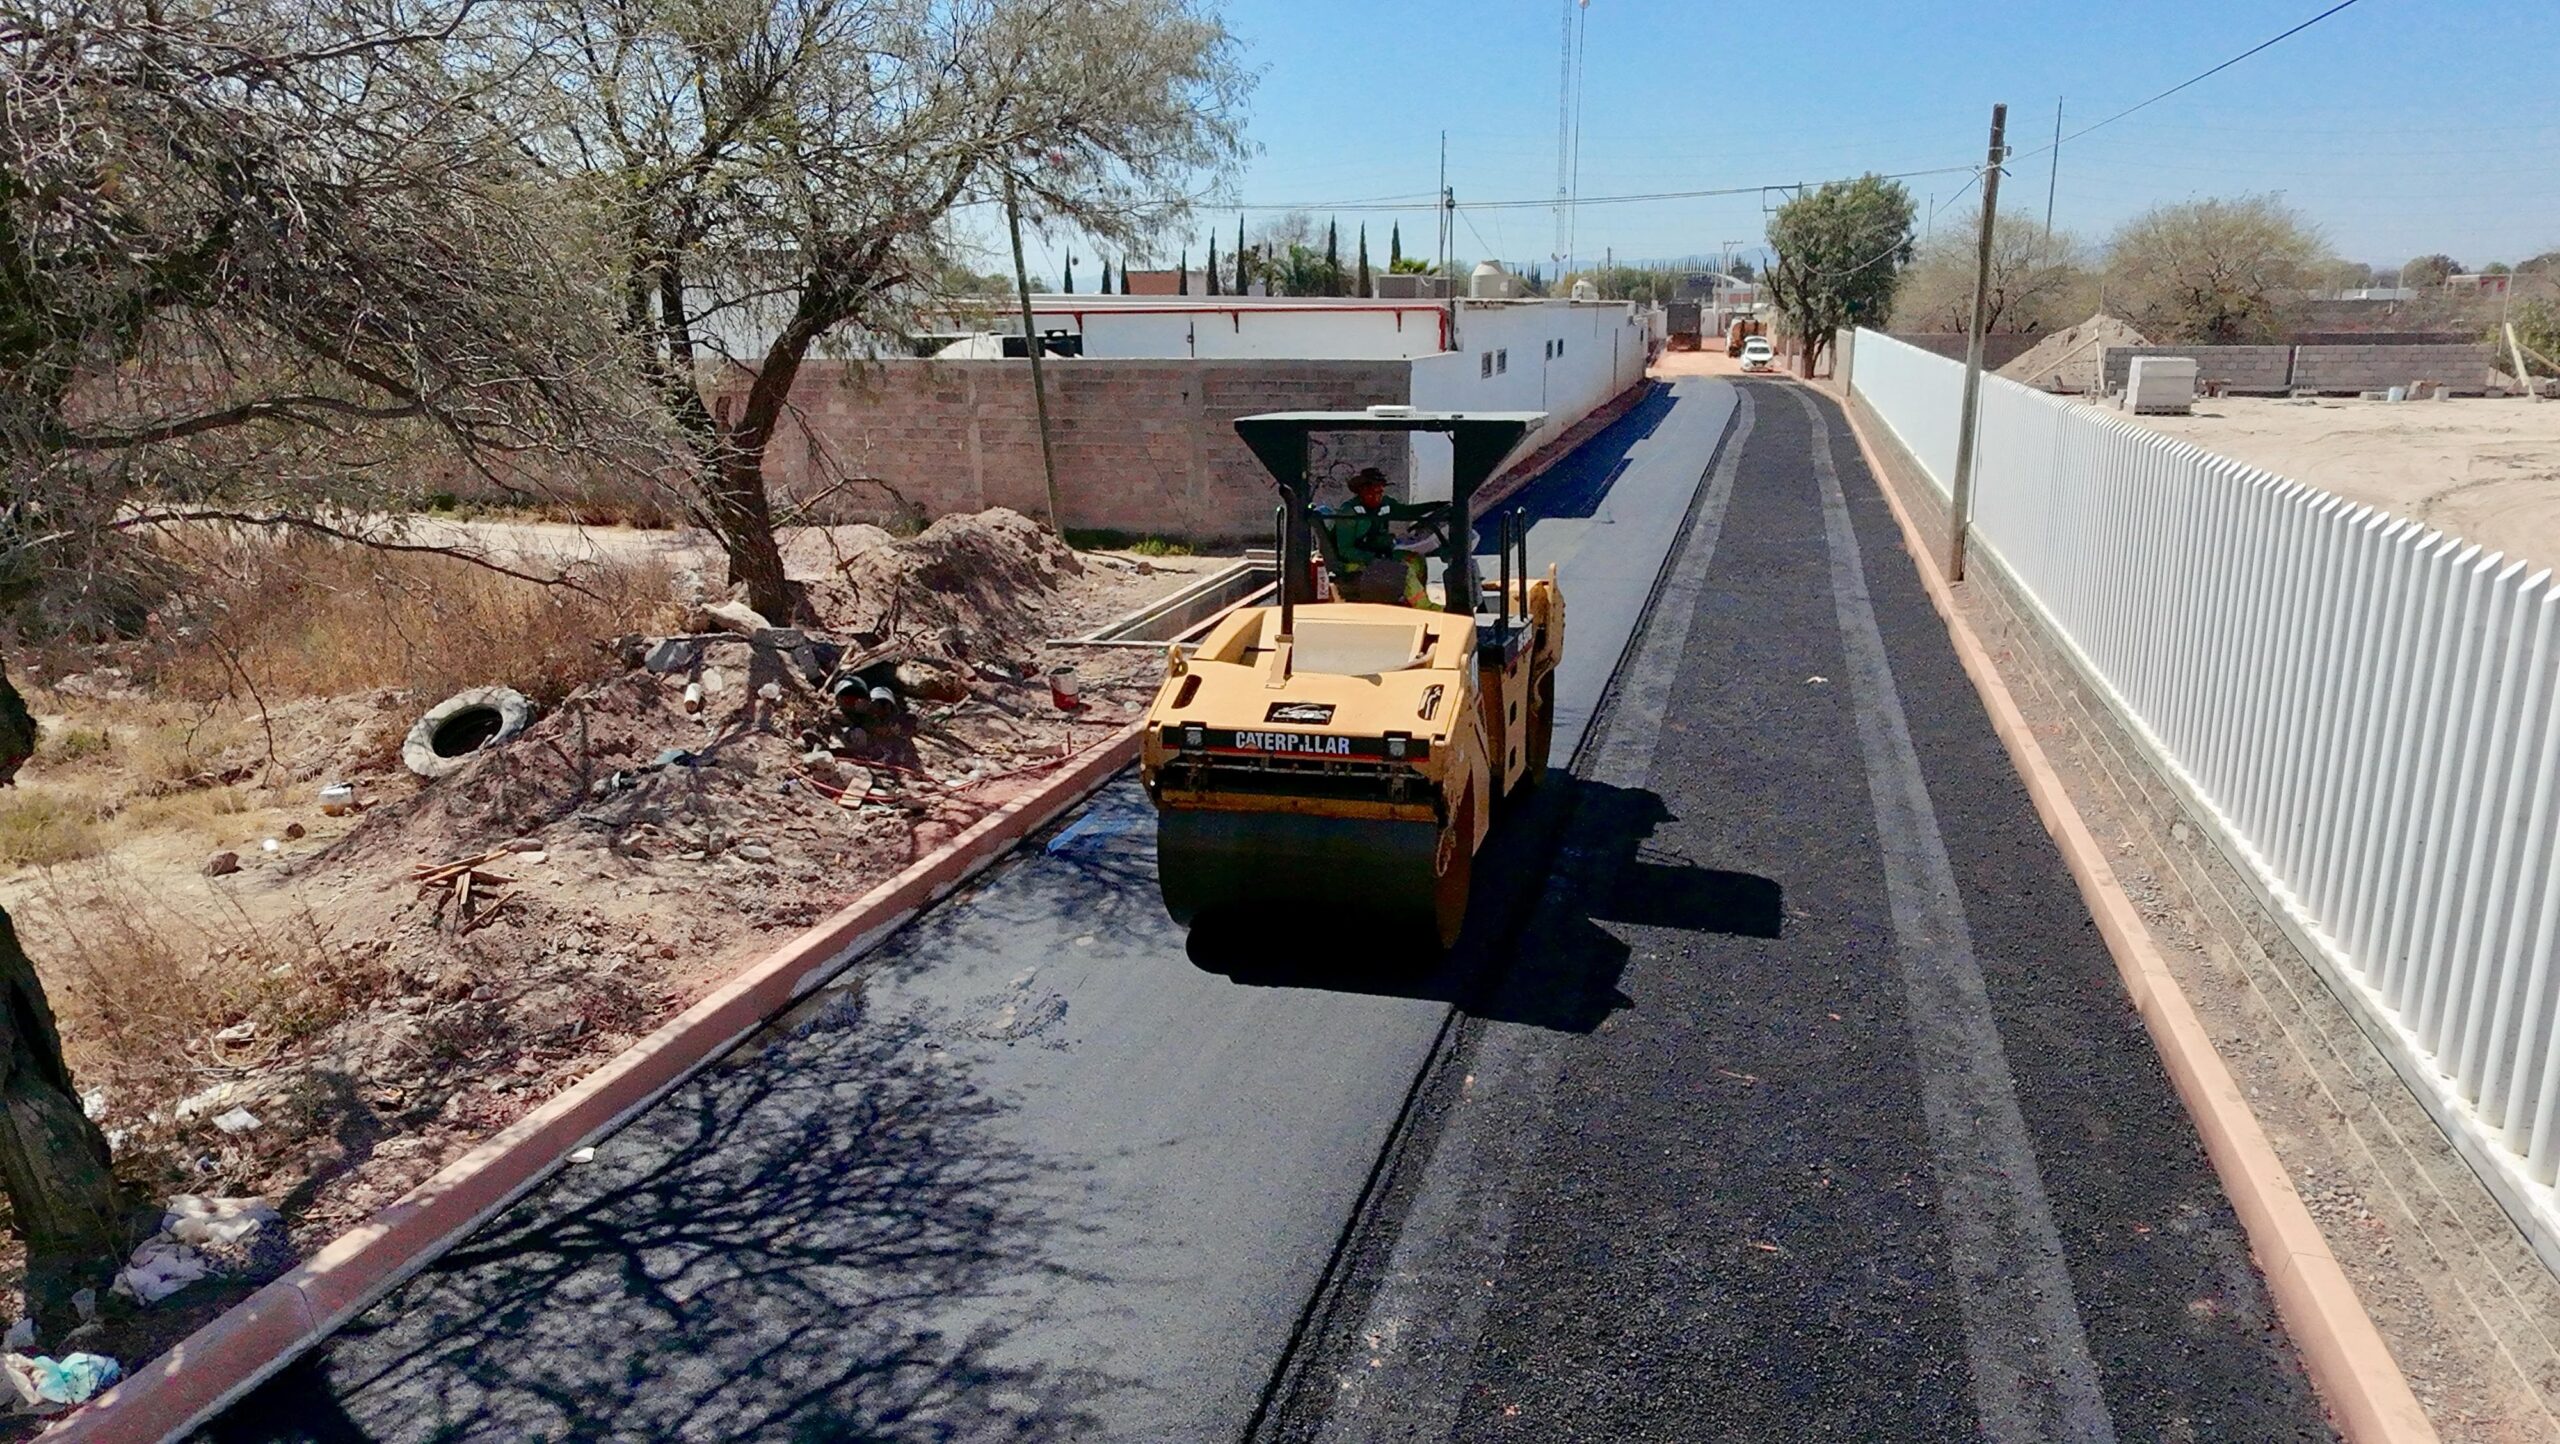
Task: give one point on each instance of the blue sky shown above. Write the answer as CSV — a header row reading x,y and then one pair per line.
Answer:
x,y
2399,128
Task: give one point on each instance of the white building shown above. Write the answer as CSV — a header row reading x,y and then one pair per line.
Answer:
x,y
1562,357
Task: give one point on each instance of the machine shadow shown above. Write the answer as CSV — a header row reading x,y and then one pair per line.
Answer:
x,y
817,1246
1535,952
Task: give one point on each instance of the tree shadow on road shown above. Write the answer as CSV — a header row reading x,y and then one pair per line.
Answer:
x,y
811,1241
1574,856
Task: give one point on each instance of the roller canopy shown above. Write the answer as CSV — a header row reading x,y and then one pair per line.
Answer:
x,y
1479,442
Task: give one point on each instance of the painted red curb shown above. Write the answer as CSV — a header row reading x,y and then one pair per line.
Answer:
x,y
2341,1349
215,1365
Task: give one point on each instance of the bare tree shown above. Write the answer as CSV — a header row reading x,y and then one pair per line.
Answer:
x,y
2039,281
777,171
263,258
2220,271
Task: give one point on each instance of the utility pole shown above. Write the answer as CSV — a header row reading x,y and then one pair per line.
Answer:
x,y
1031,348
2053,170
1960,514
1444,205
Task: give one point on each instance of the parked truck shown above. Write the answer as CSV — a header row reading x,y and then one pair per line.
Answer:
x,y
1743,329
1683,323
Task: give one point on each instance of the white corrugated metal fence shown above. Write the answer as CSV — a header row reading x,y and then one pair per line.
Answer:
x,y
2363,705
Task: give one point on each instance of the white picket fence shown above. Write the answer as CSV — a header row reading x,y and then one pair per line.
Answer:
x,y
2364,706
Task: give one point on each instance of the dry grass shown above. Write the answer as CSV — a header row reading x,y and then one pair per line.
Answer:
x,y
303,617
141,988
43,826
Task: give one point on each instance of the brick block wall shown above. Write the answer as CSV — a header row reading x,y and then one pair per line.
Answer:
x,y
2461,368
2266,369
1142,446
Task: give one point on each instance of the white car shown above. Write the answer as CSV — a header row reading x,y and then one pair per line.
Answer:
x,y
1758,354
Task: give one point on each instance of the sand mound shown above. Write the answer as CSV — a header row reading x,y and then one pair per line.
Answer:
x,y
985,576
2070,359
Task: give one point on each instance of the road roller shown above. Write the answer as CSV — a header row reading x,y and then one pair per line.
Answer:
x,y
1349,747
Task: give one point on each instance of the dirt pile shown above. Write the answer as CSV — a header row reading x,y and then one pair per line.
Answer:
x,y
973,585
2071,359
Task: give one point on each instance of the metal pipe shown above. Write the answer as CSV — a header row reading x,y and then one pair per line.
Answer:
x,y
1288,588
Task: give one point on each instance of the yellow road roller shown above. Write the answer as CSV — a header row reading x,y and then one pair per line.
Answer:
x,y
1352,753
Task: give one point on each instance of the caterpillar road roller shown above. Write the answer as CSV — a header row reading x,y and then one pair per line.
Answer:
x,y
1349,747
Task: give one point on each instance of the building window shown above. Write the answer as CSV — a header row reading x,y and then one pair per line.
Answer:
x,y
1501,360
1488,364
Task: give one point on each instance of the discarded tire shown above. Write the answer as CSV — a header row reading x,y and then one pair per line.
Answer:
x,y
463,724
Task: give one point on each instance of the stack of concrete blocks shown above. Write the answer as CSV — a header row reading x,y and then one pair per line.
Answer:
x,y
2241,370
2160,385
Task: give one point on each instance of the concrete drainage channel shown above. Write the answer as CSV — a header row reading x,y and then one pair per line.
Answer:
x,y
1188,614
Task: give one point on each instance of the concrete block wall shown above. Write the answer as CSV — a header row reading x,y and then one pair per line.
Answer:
x,y
2461,368
1999,348
2266,369
2363,366
1142,446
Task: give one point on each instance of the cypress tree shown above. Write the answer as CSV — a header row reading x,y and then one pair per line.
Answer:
x,y
1213,263
1244,264
1362,290
1182,273
1332,261
1395,245
1069,283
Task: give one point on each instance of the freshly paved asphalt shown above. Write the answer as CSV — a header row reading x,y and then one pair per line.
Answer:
x,y
1781,1090
1031,1173
1854,1134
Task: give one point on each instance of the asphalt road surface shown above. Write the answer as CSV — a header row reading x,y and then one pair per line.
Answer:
x,y
1780,1090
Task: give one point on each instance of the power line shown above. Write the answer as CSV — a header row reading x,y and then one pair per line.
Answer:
x,y
1548,203
2190,80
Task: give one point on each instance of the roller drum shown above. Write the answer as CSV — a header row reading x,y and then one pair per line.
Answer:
x,y
1253,862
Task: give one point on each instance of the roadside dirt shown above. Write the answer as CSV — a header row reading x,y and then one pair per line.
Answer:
x,y
2486,469
2467,1308
374,1028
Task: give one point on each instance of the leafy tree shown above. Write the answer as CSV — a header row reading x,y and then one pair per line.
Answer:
x,y
2426,271
2545,264
1409,266
1299,271
2537,324
1838,251
1644,285
2344,276
2038,282
2218,271
1742,270
783,170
